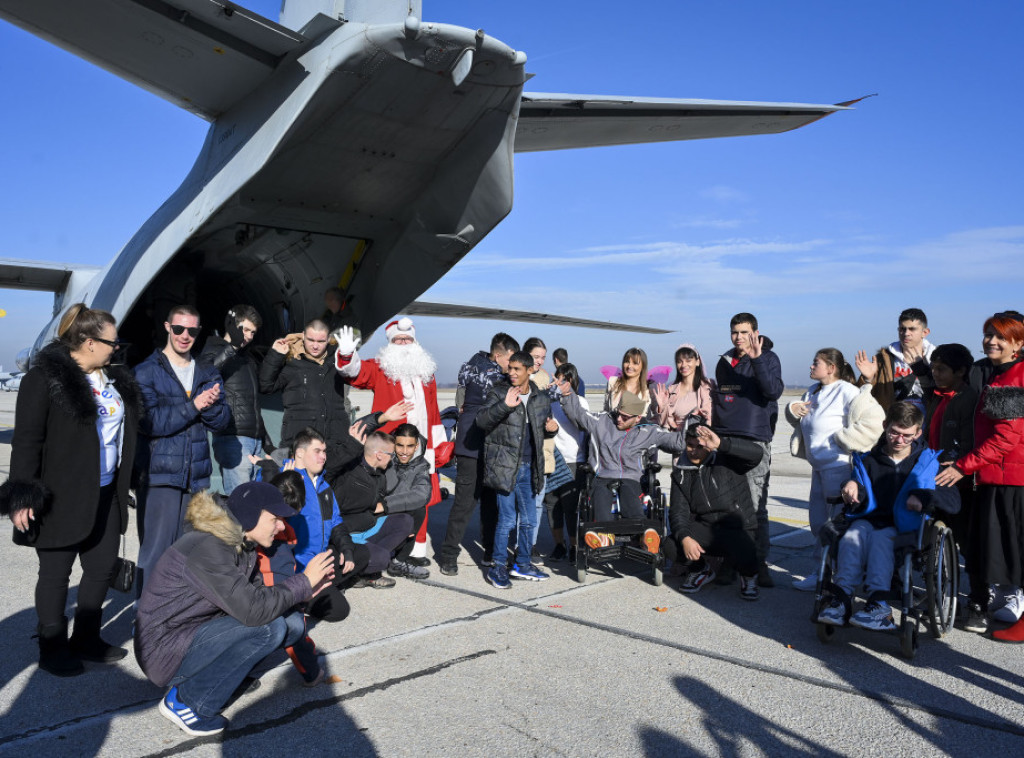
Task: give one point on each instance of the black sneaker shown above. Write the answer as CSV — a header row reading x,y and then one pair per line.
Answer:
x,y
974,619
558,554
448,568
488,561
422,562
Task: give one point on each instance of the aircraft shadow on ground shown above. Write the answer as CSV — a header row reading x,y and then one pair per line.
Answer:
x,y
853,656
731,725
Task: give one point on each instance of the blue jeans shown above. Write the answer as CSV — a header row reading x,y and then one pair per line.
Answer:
x,y
222,654
868,555
232,455
519,502
537,519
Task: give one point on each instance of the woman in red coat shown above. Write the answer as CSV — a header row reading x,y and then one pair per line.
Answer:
x,y
996,525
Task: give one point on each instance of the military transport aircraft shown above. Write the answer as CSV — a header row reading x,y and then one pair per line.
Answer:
x,y
353,144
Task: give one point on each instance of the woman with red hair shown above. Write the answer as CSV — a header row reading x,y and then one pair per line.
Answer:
x,y
996,524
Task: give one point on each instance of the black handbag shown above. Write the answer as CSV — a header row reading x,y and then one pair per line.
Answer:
x,y
124,571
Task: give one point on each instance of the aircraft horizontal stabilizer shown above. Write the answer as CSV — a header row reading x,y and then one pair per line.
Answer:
x,y
419,308
560,122
40,276
203,55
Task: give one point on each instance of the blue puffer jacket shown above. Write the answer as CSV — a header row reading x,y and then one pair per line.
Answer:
x,y
178,453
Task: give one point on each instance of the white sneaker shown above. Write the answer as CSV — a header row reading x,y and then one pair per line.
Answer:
x,y
1011,609
807,584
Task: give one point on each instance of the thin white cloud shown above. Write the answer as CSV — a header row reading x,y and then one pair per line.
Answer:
x,y
724,194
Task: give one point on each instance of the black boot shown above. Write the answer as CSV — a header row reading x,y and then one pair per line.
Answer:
x,y
86,642
55,654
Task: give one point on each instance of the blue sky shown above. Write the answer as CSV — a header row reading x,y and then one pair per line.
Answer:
x,y
825,233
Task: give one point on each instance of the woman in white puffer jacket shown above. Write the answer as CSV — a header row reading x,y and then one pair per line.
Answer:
x,y
833,419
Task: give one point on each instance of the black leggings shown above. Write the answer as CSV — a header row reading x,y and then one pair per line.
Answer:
x,y
97,554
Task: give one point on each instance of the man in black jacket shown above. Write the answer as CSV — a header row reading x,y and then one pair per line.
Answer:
x,y
362,502
312,391
244,435
711,511
515,418
749,378
476,378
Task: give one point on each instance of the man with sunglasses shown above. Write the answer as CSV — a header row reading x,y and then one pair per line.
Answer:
x,y
183,401
618,441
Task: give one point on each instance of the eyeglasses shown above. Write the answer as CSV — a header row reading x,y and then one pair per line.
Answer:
x,y
178,329
626,416
116,344
899,436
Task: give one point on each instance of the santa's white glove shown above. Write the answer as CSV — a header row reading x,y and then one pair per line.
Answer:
x,y
347,340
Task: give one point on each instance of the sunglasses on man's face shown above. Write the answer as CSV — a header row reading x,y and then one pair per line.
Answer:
x,y
178,329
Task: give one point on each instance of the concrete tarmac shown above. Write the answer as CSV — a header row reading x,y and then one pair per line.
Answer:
x,y
614,666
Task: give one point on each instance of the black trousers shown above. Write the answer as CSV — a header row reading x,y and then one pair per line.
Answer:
x,y
417,521
724,539
469,489
330,604
629,499
97,554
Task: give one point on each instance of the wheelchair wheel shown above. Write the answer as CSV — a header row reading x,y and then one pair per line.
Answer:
x,y
942,579
658,576
908,637
581,564
826,632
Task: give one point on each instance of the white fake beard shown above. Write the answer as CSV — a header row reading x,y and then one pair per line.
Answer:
x,y
406,363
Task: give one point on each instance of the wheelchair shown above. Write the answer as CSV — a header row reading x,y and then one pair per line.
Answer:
x,y
655,517
927,579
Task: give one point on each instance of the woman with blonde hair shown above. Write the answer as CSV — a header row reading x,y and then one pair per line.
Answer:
x,y
71,464
632,378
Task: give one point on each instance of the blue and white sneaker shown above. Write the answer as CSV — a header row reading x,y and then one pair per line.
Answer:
x,y
188,721
876,616
833,614
529,571
498,576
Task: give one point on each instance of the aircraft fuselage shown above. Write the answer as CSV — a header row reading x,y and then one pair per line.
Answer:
x,y
376,158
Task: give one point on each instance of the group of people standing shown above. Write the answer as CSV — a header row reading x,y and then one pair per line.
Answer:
x,y
346,502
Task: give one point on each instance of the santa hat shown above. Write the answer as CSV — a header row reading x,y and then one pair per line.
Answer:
x,y
401,326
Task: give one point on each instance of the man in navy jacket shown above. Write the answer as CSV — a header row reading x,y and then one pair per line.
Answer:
x,y
183,400
745,405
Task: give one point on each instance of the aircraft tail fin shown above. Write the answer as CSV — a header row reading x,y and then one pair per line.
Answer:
x,y
295,14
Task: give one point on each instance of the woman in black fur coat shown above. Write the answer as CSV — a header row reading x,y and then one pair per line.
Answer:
x,y
71,465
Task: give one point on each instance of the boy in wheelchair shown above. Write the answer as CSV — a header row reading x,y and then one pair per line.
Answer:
x,y
890,487
618,442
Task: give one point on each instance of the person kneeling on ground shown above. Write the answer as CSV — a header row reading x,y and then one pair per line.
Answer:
x,y
619,440
408,491
366,517
891,485
205,618
710,508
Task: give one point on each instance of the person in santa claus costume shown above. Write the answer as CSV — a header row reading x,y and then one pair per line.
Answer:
x,y
402,371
